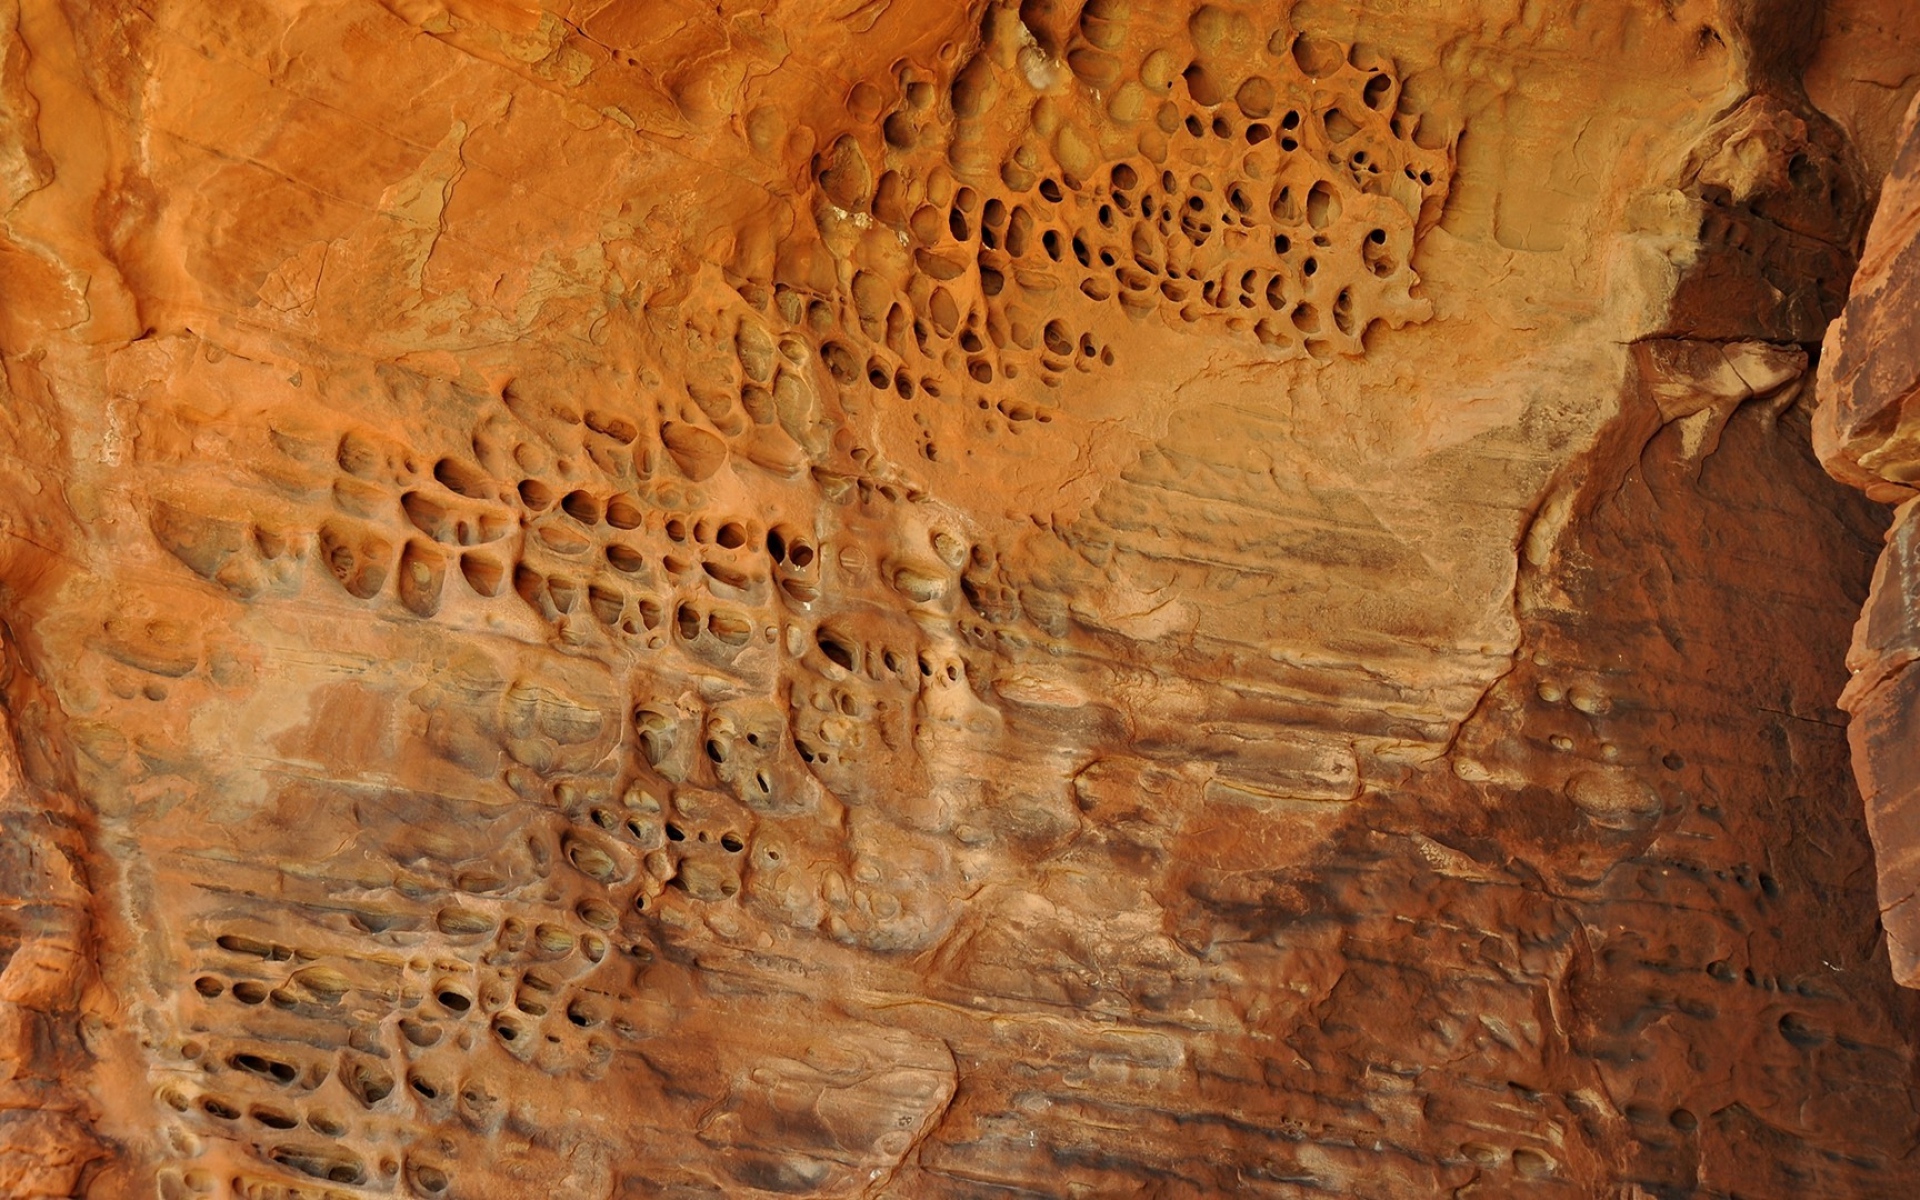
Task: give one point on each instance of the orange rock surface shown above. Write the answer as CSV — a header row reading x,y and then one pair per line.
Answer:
x,y
1869,379
631,598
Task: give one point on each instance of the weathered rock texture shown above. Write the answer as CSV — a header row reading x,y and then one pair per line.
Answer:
x,y
834,598
1868,433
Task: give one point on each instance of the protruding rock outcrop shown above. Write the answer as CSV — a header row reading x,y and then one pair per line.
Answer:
x,y
1869,378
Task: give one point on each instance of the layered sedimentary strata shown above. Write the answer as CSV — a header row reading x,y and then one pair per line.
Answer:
x,y
924,600
1865,436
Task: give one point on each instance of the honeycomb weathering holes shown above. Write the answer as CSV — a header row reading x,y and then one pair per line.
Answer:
x,y
1155,171
1206,174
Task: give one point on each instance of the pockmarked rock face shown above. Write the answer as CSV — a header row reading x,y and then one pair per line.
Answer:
x,y
929,600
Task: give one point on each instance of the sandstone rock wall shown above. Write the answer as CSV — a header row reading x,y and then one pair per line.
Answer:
x,y
1868,378
928,600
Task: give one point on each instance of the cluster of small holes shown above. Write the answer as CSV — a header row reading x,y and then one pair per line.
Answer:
x,y
1280,191
1290,209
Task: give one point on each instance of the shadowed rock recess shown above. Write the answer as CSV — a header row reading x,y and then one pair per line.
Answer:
x,y
616,599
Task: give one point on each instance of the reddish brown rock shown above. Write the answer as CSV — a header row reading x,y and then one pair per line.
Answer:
x,y
663,600
1869,379
1872,372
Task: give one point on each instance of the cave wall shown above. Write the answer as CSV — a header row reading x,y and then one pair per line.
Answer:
x,y
930,600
